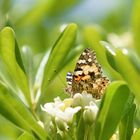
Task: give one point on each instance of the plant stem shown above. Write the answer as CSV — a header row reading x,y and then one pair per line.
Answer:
x,y
86,132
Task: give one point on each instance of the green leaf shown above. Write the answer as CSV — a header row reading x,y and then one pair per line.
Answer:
x,y
15,111
72,54
26,136
6,78
111,110
121,63
110,53
136,135
126,124
134,58
81,126
136,24
27,56
8,49
58,53
84,131
92,39
18,56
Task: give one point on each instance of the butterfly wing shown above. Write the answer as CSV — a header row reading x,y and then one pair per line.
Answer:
x,y
87,76
87,64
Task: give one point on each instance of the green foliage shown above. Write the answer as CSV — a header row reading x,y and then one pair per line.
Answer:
x,y
8,55
92,38
126,126
61,47
35,73
120,62
111,110
14,110
25,136
136,24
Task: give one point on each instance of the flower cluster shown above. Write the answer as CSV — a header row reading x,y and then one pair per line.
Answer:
x,y
62,112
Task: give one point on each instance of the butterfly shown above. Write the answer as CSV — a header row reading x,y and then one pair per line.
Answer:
x,y
87,76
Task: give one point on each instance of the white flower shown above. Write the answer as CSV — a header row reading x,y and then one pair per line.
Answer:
x,y
82,99
62,112
92,106
90,113
68,113
61,109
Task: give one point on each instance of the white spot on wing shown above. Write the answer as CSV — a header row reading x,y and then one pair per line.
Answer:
x,y
69,77
78,72
81,61
83,53
69,83
89,60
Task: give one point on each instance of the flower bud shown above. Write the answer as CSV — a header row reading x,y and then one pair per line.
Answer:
x,y
61,124
82,99
77,99
90,113
68,102
89,116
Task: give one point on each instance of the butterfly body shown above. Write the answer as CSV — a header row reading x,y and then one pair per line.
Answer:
x,y
87,76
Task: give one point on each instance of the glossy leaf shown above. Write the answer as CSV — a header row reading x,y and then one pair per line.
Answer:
x,y
110,53
121,63
15,111
18,56
72,54
92,39
27,56
6,78
111,110
126,126
134,58
58,53
8,53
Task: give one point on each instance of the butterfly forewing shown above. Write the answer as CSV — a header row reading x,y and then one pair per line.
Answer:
x,y
87,76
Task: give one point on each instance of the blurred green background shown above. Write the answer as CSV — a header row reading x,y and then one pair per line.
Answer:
x,y
38,23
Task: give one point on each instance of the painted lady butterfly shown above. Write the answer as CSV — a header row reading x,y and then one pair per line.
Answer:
x,y
87,76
